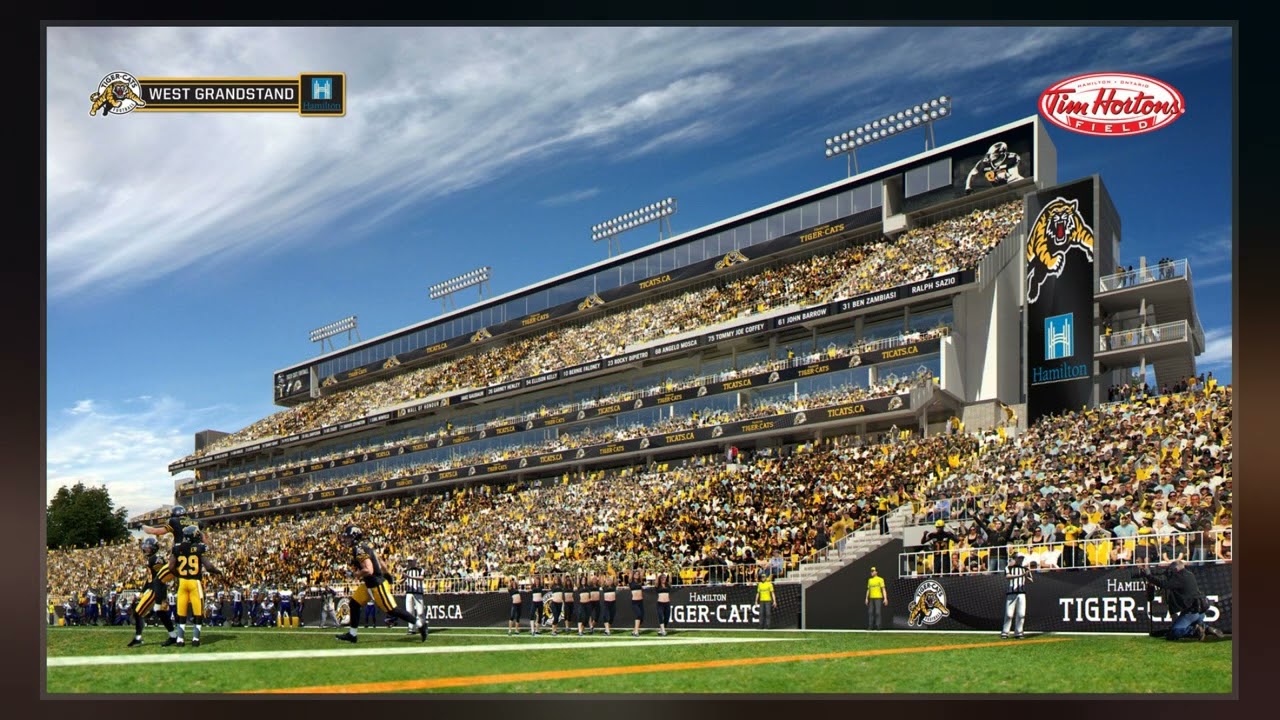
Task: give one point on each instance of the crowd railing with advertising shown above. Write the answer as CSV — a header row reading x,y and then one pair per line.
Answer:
x,y
1195,547
915,344
857,303
1149,274
895,403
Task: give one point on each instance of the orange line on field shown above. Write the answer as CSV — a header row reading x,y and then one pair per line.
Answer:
x,y
594,672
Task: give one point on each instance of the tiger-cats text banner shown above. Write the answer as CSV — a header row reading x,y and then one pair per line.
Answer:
x,y
1060,251
1086,600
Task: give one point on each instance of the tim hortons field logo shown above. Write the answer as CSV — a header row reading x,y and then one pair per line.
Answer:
x,y
118,94
1058,229
928,605
1111,103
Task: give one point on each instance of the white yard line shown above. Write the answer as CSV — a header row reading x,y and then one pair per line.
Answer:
x,y
195,655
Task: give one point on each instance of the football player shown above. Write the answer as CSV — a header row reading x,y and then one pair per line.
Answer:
x,y
375,585
178,519
189,564
154,589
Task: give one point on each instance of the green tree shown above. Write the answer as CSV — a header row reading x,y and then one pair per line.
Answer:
x,y
80,516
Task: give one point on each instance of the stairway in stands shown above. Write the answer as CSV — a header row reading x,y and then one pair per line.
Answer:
x,y
857,544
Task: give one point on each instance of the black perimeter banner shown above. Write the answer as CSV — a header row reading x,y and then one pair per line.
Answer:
x,y
1059,256
1090,600
692,606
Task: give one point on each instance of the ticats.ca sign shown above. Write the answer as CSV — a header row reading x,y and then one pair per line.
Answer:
x,y
1111,103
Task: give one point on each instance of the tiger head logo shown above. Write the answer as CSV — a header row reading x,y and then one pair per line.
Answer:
x,y
582,414
929,605
471,471
644,443
734,257
895,403
581,453
482,335
800,419
118,93
529,425
717,431
1059,229
391,362
639,404
774,376
702,390
592,300
524,462
483,433
855,360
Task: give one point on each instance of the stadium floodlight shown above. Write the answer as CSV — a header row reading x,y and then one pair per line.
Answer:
x,y
924,114
609,230
444,291
325,333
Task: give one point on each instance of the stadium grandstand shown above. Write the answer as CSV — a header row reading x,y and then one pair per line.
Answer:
x,y
787,392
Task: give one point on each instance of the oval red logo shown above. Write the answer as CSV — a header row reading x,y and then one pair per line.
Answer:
x,y
1111,103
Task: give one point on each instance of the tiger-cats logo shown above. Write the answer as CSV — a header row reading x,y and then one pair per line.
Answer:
x,y
118,94
391,362
482,335
1059,229
593,300
732,258
929,605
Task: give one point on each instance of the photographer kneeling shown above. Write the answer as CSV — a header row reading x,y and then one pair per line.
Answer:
x,y
1185,601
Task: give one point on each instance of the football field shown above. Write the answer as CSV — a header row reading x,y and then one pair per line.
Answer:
x,y
487,661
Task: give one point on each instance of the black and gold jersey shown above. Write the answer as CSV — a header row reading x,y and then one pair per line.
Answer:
x,y
176,523
361,552
189,558
157,567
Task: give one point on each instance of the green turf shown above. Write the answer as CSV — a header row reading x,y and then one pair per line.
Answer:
x,y
1076,664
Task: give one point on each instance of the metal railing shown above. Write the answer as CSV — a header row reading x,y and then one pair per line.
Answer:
x,y
1195,547
737,574
1147,335
1141,276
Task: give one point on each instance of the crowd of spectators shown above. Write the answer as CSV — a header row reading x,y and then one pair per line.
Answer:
x,y
1144,479
918,254
1161,465
588,436
444,429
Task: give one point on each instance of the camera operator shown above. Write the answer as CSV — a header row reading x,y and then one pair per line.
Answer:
x,y
1183,597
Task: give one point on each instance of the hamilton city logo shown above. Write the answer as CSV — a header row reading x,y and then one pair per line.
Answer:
x,y
928,605
800,419
1059,228
895,403
119,93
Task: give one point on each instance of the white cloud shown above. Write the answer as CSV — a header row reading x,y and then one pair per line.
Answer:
x,y
1217,348
433,111
571,197
1213,280
81,407
126,451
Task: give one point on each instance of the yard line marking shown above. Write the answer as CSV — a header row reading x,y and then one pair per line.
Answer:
x,y
594,672
194,655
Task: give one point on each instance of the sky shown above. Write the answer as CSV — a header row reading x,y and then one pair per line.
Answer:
x,y
189,254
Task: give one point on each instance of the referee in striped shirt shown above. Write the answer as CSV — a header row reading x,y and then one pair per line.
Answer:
x,y
1017,575
413,602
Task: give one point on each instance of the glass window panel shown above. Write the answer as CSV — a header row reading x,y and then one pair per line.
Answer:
x,y
877,194
759,232
792,222
940,174
809,215
844,203
861,199
696,254
917,181
827,210
926,320
775,227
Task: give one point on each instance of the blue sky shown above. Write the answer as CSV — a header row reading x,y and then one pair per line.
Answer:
x,y
188,255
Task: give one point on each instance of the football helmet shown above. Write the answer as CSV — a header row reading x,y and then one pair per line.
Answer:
x,y
997,154
191,533
149,545
178,511
352,534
